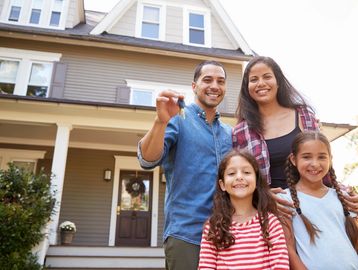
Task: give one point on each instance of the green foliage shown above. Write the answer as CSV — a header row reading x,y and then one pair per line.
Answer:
x,y
26,204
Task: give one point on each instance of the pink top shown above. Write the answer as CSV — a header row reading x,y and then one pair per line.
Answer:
x,y
249,251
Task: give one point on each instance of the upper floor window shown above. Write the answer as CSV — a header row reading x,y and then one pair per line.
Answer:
x,y
197,28
14,13
145,93
56,13
42,13
150,21
26,73
36,9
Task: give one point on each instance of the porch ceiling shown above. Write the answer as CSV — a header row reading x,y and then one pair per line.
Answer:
x,y
41,134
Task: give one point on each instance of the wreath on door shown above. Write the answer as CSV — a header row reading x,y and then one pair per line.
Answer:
x,y
135,187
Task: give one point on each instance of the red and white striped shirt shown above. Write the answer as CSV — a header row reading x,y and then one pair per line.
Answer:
x,y
250,250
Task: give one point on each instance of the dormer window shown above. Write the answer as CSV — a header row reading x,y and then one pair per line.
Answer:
x,y
41,13
15,9
56,13
197,27
36,11
150,21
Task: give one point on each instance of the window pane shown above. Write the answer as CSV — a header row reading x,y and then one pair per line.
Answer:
x,y
7,88
55,18
35,16
196,20
135,194
36,91
196,36
40,74
8,70
150,30
142,98
151,14
14,13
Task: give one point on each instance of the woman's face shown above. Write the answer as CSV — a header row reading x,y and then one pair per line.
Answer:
x,y
262,84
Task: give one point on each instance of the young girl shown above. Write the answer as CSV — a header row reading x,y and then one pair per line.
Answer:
x,y
325,233
243,232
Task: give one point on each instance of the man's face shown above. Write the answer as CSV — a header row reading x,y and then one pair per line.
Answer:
x,y
210,87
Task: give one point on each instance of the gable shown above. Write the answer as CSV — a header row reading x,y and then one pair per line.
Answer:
x,y
195,23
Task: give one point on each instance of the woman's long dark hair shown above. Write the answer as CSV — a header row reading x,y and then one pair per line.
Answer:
x,y
293,177
287,95
221,219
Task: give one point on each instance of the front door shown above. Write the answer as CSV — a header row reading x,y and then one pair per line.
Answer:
x,y
134,209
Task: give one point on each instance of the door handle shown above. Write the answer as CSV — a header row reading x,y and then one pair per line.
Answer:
x,y
118,210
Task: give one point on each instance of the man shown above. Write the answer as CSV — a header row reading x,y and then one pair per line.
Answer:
x,y
190,149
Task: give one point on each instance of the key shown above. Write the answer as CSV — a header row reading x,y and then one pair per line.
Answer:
x,y
181,105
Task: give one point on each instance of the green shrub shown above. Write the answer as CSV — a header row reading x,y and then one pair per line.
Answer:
x,y
26,205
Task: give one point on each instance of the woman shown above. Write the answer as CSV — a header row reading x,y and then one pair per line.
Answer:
x,y
271,112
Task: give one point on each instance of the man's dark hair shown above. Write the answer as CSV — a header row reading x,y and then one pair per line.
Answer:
x,y
199,67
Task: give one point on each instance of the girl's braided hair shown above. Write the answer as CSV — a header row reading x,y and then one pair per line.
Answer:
x,y
293,177
221,219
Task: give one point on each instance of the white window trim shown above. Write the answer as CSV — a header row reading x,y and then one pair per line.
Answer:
x,y
26,58
162,18
25,14
8,155
156,88
207,26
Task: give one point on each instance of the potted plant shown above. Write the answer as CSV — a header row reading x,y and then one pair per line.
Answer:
x,y
68,230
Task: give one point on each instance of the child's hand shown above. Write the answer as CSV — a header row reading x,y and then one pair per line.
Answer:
x,y
284,207
351,199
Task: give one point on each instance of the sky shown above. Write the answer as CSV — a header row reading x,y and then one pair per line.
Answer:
x,y
314,41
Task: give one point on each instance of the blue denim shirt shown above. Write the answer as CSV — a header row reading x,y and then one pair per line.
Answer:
x,y
192,153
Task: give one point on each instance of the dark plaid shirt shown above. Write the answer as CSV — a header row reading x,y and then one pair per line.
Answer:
x,y
247,138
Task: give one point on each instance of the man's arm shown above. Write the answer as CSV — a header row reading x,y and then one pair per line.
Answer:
x,y
152,143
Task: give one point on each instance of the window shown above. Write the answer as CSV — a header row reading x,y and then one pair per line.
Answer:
x,y
55,18
35,16
14,13
150,21
21,74
56,13
150,24
8,74
197,26
144,93
36,11
26,159
39,79
142,97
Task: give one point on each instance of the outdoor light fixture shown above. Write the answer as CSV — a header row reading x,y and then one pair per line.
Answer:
x,y
107,175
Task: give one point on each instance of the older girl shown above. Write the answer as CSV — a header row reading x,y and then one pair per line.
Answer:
x,y
326,234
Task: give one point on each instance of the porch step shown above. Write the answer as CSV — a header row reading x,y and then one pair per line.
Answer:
x,y
79,257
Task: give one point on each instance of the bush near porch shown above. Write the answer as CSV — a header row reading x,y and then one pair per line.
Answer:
x,y
26,204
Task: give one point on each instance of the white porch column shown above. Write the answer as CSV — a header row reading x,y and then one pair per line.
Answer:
x,y
58,171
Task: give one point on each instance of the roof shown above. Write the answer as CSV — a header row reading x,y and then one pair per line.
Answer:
x,y
216,8
83,31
